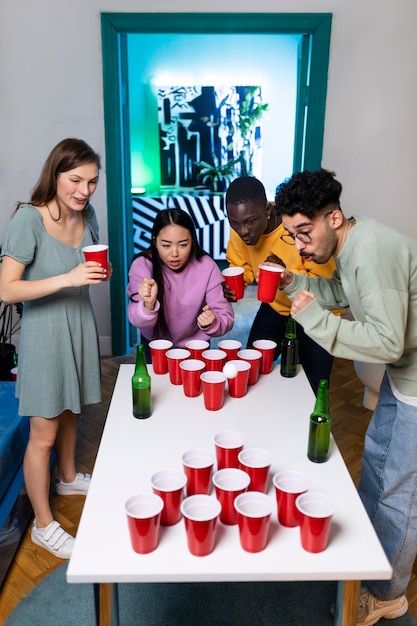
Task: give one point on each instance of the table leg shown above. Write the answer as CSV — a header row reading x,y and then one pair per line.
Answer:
x,y
347,603
106,602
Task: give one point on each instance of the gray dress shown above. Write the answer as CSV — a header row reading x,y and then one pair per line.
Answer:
x,y
59,364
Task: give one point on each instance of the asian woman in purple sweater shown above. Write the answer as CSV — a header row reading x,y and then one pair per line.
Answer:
x,y
175,288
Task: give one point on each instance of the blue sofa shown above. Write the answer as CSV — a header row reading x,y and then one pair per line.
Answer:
x,y
15,509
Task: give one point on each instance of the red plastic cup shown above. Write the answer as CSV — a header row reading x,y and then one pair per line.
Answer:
x,y
190,372
234,280
315,512
254,357
256,463
214,360
197,347
231,347
13,372
97,253
159,349
228,444
267,348
201,513
144,517
198,467
229,483
174,357
169,485
254,512
238,385
268,282
288,486
213,390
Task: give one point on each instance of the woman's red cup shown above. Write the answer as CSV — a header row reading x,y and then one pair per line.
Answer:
x,y
288,486
315,512
254,357
143,513
191,370
268,282
198,467
201,513
267,348
238,384
254,512
228,444
213,389
97,253
231,347
159,349
229,483
169,485
256,462
197,347
214,359
234,280
174,357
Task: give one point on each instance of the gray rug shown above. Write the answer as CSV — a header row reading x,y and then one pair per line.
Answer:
x,y
55,603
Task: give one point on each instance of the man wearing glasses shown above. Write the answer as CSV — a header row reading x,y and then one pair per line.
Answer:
x,y
257,235
377,277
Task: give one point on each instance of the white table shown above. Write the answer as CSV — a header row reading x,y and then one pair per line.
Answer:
x,y
274,415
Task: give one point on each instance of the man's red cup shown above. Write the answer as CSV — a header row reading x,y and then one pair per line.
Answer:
x,y
13,372
268,282
143,513
238,385
197,347
231,347
254,357
201,513
288,486
159,349
234,280
97,253
191,370
169,485
213,389
254,512
174,357
315,512
228,444
256,462
214,359
267,348
229,483
198,467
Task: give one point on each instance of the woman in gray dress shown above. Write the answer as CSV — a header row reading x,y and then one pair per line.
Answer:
x,y
44,267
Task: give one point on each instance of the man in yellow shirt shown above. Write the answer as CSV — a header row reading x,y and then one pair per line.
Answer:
x,y
257,235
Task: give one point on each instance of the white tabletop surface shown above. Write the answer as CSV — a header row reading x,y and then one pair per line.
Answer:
x,y
273,415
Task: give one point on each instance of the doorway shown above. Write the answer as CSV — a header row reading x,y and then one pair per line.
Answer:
x,y
314,32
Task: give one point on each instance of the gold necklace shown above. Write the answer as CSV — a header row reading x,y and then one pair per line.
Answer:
x,y
50,214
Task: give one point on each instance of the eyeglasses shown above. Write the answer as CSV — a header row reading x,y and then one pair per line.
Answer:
x,y
304,237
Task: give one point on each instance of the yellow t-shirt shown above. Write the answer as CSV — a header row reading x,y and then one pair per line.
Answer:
x,y
250,257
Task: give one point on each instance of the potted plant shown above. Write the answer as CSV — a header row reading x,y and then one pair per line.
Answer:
x,y
248,116
216,175
10,315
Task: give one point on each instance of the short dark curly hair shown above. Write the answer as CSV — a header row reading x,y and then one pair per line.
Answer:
x,y
246,189
307,193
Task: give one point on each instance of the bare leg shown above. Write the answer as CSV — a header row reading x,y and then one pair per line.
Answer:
x,y
36,467
66,439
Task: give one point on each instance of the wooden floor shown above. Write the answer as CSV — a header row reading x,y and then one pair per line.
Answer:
x,y
32,564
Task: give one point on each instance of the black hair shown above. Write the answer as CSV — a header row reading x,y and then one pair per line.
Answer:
x,y
245,189
307,193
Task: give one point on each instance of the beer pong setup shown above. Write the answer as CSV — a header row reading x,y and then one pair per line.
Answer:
x,y
216,485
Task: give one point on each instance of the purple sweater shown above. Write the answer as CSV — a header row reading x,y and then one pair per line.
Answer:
x,y
185,294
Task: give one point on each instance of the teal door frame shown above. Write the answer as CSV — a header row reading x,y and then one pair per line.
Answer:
x,y
114,28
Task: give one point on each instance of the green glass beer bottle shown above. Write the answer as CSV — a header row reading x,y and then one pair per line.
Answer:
x,y
141,386
289,350
320,426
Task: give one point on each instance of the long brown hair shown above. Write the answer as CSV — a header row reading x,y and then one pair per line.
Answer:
x,y
67,155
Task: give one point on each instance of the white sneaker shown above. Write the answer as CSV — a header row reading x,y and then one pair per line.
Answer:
x,y
371,610
54,539
79,486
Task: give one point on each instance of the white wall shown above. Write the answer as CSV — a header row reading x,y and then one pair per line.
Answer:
x,y
51,88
